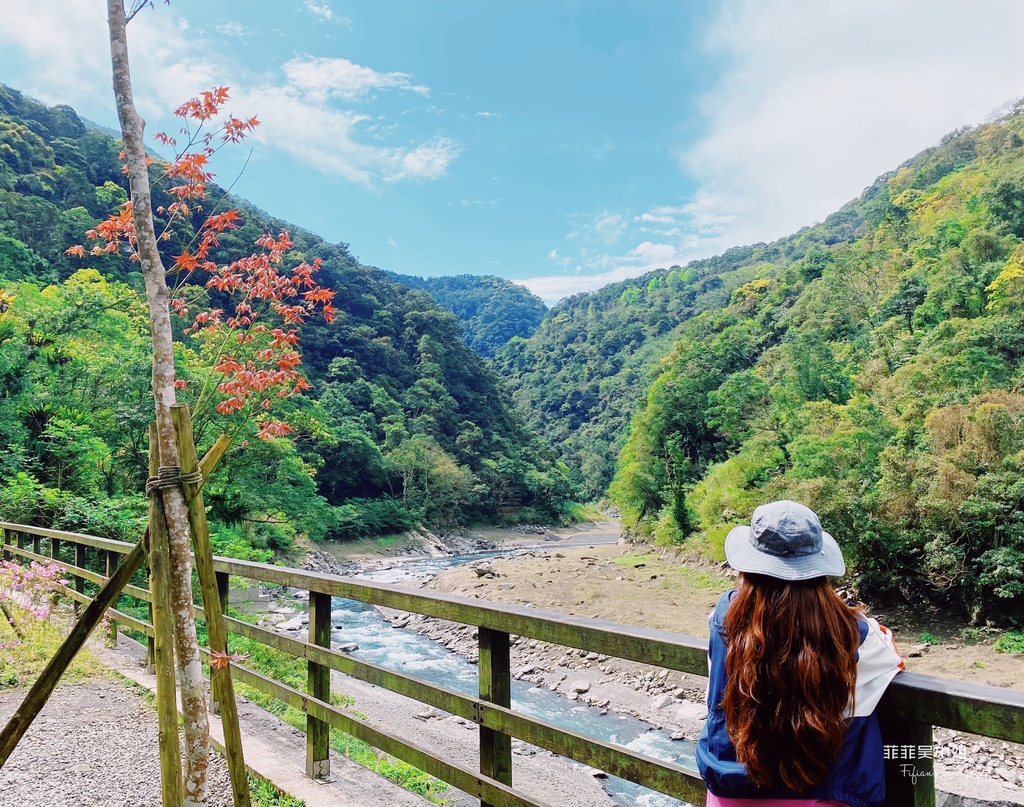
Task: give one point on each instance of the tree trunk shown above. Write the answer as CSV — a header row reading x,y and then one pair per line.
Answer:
x,y
190,673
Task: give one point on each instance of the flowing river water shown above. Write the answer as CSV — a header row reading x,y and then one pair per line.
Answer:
x,y
406,651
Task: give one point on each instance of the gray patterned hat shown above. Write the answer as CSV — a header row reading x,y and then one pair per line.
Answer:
x,y
784,540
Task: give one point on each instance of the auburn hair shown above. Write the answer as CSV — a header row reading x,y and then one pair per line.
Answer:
x,y
791,670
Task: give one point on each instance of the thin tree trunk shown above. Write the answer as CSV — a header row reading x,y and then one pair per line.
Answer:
x,y
190,673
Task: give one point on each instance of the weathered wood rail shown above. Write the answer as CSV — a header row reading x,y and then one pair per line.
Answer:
x,y
912,706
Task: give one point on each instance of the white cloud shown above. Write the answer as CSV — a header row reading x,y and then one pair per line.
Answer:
x,y
60,48
320,79
605,227
232,29
820,98
815,101
428,160
326,13
599,270
476,202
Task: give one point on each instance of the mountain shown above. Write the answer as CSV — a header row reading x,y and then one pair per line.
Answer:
x,y
404,425
871,366
490,309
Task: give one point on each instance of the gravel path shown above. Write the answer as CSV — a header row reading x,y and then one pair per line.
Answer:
x,y
94,745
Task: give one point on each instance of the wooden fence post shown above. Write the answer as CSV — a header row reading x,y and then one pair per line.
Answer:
x,y
37,542
318,733
163,637
80,562
4,555
55,555
221,686
112,629
496,687
20,539
909,762
223,586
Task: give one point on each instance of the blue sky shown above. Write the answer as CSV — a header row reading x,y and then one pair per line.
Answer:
x,y
563,145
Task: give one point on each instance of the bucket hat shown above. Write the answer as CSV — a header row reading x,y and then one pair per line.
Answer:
x,y
784,540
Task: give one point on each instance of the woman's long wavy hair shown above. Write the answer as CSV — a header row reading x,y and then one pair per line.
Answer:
x,y
791,670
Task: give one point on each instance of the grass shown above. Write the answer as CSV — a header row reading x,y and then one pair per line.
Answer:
x,y
388,544
264,794
928,638
584,513
21,660
674,575
1011,642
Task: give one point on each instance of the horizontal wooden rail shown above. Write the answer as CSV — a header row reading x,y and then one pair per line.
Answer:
x,y
913,703
120,547
76,571
645,645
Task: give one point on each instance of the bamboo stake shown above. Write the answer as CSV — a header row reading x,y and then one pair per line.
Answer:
x,y
12,621
163,627
220,679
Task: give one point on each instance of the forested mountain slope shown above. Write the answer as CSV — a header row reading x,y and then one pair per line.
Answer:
x,y
870,367
585,371
491,310
404,425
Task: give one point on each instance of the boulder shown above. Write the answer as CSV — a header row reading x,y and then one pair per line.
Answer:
x,y
688,710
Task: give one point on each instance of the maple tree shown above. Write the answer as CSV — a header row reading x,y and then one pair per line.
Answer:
x,y
254,346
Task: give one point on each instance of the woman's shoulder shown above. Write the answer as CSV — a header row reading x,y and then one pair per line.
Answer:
x,y
717,617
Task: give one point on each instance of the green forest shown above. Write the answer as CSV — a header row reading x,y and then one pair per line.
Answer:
x,y
490,309
869,366
404,426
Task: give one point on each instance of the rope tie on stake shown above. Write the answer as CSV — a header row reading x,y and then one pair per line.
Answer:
x,y
171,477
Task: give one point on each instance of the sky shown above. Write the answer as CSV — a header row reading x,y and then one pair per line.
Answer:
x,y
563,144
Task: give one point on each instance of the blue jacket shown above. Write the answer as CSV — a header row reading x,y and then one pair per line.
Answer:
x,y
857,777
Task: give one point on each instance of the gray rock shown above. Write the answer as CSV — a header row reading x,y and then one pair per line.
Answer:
x,y
291,624
661,701
688,710
348,647
580,686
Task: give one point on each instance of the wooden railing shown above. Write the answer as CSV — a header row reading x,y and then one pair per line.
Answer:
x,y
912,705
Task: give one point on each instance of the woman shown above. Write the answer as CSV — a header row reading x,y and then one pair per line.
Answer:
x,y
794,675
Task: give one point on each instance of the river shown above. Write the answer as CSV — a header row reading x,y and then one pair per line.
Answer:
x,y
406,651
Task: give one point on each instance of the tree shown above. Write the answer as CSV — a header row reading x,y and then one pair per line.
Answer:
x,y
270,358
190,673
